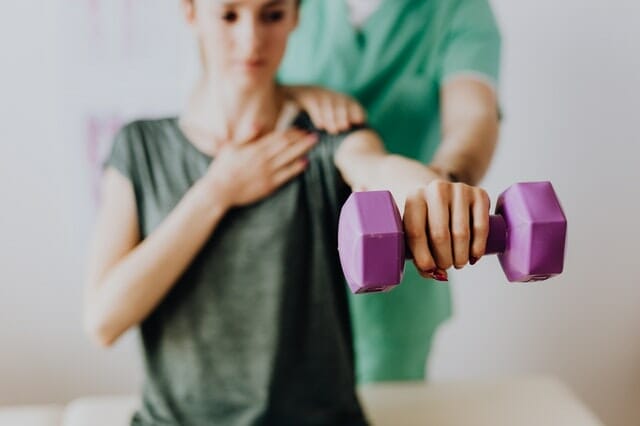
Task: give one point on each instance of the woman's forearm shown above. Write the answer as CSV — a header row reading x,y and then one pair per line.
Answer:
x,y
397,174
366,166
136,284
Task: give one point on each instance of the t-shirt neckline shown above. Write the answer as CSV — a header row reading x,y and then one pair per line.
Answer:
x,y
288,117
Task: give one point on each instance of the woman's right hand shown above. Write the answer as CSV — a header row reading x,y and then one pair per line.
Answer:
x,y
128,277
248,172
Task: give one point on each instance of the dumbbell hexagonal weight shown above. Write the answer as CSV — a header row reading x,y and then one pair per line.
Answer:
x,y
528,233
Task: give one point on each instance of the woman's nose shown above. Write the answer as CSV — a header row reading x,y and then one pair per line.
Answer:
x,y
250,37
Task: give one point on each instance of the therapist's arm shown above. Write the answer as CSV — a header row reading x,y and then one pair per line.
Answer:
x,y
437,214
469,111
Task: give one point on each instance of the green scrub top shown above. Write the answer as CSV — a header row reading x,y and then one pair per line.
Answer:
x,y
395,65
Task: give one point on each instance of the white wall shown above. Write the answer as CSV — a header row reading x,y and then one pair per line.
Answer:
x,y
571,96
65,69
570,93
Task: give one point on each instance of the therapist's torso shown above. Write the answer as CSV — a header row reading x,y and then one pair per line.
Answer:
x,y
388,61
393,56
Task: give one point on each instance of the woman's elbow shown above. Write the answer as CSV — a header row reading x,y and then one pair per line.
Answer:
x,y
99,330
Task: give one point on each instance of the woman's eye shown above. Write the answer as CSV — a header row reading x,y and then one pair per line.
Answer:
x,y
273,16
230,16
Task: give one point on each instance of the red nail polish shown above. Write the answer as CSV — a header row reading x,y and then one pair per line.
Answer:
x,y
439,276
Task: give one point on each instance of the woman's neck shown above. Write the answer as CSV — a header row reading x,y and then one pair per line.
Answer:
x,y
217,114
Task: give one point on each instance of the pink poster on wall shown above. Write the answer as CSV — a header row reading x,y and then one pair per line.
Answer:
x,y
99,133
123,62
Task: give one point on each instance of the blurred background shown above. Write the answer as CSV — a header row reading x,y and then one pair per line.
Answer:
x,y
73,71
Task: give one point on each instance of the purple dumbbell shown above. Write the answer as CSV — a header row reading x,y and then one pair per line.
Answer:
x,y
528,233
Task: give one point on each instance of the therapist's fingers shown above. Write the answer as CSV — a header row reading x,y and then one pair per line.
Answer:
x,y
316,113
347,112
357,114
329,116
328,110
342,114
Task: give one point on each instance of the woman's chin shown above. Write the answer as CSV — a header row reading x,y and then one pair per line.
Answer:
x,y
251,80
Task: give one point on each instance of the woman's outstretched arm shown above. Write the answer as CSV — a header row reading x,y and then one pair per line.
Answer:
x,y
446,223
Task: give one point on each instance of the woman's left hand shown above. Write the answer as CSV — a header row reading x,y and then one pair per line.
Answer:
x,y
328,110
446,224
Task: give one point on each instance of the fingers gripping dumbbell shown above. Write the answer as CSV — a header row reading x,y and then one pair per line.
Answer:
x,y
527,232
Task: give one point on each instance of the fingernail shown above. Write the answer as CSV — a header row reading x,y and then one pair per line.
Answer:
x,y
428,272
473,260
438,276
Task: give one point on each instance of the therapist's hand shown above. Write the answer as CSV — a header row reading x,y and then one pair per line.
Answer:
x,y
330,111
446,224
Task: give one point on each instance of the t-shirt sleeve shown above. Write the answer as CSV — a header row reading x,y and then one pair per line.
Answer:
x,y
330,189
336,188
120,156
472,43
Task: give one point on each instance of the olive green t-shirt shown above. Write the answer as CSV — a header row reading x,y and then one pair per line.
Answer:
x,y
256,331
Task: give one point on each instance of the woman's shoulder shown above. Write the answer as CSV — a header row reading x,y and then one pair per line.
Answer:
x,y
142,127
145,134
146,141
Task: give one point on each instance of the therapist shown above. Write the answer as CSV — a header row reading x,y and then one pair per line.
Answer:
x,y
426,72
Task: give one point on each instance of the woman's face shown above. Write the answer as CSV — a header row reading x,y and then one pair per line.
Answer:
x,y
242,41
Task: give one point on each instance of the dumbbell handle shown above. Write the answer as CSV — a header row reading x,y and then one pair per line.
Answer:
x,y
496,240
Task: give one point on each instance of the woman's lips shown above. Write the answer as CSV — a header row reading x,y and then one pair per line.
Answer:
x,y
252,64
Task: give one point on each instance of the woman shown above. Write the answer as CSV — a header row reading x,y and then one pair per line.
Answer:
x,y
426,73
217,235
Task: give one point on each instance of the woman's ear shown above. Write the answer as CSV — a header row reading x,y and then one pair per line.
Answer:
x,y
189,10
